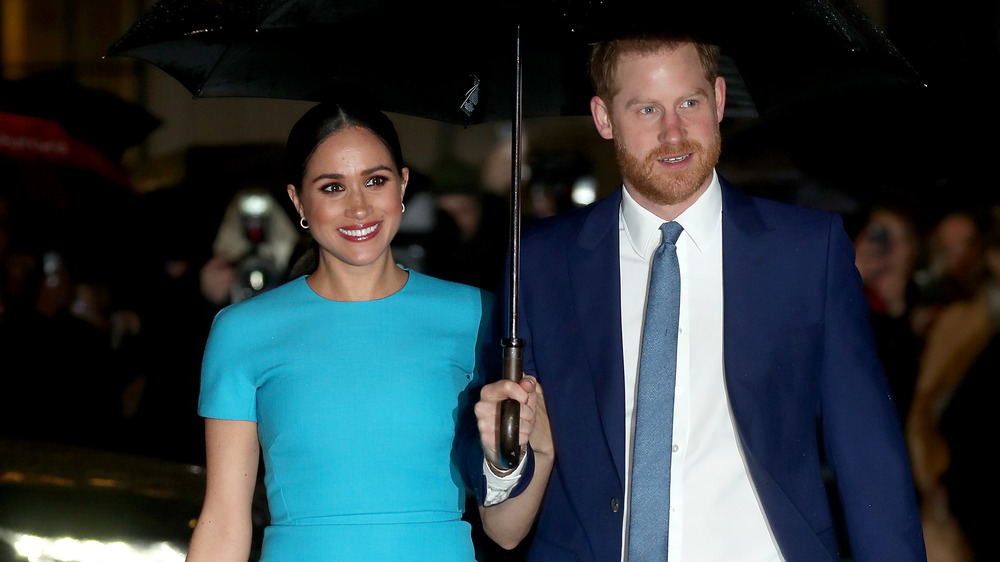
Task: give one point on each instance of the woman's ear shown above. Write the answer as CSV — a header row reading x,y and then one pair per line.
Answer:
x,y
294,196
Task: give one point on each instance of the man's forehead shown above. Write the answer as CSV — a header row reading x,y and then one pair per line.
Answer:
x,y
638,54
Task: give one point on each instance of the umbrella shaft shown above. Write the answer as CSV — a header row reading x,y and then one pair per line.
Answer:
x,y
515,192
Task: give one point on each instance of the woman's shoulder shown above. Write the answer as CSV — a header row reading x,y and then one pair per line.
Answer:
x,y
436,291
428,284
283,297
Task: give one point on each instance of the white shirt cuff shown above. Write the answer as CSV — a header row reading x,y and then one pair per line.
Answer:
x,y
498,488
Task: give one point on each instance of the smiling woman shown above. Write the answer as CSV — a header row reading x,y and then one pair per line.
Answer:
x,y
349,378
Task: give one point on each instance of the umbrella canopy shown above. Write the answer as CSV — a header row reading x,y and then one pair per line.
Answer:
x,y
428,59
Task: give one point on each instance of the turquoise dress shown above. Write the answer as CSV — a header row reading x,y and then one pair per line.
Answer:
x,y
356,405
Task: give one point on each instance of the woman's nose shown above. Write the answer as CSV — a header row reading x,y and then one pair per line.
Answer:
x,y
358,206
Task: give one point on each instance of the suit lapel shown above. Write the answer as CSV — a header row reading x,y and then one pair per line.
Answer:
x,y
743,268
596,291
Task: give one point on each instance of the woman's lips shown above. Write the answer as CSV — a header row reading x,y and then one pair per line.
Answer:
x,y
360,232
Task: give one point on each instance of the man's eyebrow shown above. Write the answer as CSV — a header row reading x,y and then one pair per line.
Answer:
x,y
693,93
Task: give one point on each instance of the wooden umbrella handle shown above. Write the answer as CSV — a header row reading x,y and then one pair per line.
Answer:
x,y
510,410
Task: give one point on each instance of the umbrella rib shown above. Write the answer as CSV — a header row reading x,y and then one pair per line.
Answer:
x,y
211,72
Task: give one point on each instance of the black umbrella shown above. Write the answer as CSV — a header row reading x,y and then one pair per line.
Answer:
x,y
427,58
450,61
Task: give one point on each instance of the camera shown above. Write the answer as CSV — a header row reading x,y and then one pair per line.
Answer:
x,y
256,271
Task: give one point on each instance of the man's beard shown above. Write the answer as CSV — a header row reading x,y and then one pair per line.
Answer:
x,y
665,187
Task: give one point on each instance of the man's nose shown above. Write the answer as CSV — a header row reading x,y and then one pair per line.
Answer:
x,y
671,129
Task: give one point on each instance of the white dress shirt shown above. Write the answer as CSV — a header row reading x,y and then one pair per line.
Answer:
x,y
714,510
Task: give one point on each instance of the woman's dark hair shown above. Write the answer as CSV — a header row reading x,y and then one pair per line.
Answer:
x,y
326,119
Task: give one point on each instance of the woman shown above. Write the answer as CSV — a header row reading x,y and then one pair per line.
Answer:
x,y
351,379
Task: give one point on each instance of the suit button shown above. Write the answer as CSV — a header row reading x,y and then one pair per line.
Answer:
x,y
614,505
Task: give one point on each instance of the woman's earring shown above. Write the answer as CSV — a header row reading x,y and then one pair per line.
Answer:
x,y
304,223
404,207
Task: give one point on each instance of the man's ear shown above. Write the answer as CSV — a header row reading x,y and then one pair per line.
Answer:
x,y
602,117
720,97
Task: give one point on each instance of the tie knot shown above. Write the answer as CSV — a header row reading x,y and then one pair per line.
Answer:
x,y
671,231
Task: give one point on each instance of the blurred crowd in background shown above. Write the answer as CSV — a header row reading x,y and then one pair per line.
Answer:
x,y
934,291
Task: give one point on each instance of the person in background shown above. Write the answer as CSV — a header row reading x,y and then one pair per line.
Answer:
x,y
887,250
953,268
483,228
954,395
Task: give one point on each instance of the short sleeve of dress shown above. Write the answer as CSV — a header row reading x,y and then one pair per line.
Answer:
x,y
228,382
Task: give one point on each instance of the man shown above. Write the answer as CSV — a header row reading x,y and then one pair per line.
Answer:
x,y
776,369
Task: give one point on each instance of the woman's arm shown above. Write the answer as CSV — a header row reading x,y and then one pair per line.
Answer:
x,y
508,522
224,528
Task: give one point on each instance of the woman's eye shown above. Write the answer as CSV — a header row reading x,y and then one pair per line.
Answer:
x,y
330,187
375,181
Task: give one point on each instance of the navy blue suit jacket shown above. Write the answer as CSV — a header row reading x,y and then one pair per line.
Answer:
x,y
801,371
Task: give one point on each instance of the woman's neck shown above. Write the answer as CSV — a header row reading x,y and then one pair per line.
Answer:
x,y
336,280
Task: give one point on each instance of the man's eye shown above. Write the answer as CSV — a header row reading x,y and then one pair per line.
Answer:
x,y
648,110
689,103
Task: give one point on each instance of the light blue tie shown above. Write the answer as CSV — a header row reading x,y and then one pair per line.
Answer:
x,y
649,512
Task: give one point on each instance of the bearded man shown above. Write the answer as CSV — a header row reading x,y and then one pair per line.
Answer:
x,y
780,439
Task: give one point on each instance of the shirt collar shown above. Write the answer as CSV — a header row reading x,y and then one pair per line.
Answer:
x,y
700,220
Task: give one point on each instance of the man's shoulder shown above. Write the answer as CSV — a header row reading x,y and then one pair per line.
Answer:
x,y
773,213
568,224
794,213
